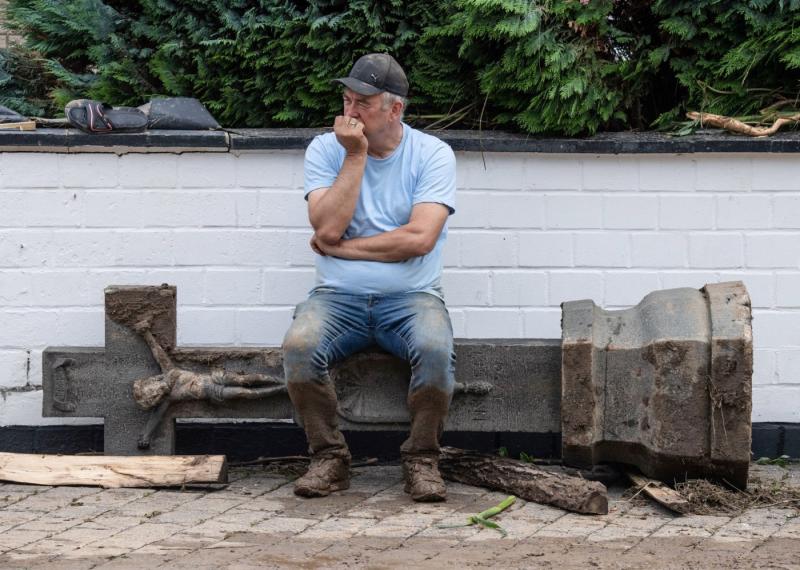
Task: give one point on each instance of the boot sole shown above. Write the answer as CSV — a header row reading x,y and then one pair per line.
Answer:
x,y
429,498
426,497
312,492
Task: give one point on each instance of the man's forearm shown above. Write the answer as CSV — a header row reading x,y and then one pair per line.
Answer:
x,y
397,245
331,215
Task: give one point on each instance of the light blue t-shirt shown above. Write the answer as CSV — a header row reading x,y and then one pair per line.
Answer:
x,y
421,169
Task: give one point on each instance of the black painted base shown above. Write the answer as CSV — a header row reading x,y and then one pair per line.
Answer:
x,y
245,441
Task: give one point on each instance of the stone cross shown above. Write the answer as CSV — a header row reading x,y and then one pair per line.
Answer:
x,y
97,382
501,385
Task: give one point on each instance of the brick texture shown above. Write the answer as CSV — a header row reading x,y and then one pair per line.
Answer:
x,y
530,232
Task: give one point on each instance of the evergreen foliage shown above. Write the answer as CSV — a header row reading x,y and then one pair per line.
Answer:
x,y
25,84
540,66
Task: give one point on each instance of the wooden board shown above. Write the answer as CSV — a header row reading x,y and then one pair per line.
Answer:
x,y
22,126
113,471
659,492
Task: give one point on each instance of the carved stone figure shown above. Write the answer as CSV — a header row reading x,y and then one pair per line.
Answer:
x,y
178,384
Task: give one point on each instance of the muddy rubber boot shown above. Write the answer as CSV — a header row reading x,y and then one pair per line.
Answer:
x,y
315,404
420,452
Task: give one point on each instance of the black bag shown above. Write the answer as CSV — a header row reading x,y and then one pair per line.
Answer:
x,y
182,113
95,117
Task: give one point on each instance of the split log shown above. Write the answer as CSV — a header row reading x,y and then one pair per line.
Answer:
x,y
524,480
113,471
659,492
736,126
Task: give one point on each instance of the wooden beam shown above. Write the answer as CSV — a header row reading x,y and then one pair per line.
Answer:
x,y
113,471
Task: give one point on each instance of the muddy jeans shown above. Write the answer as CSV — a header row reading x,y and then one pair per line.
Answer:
x,y
330,326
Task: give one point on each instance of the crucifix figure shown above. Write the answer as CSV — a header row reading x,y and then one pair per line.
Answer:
x,y
175,384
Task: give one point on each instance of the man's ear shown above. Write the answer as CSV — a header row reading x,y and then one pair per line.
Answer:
x,y
397,109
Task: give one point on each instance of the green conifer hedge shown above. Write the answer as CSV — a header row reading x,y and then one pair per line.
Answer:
x,y
567,67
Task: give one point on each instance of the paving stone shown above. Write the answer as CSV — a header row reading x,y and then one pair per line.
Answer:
x,y
283,525
393,492
336,528
324,507
416,552
734,544
50,546
157,503
81,535
111,520
78,511
10,498
12,539
266,503
47,524
115,497
266,552
571,525
61,563
47,501
756,523
790,530
10,519
137,536
702,526
182,517
96,550
240,516
384,529
419,520
142,559
16,559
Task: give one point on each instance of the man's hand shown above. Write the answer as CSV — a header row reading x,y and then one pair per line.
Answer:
x,y
316,245
350,134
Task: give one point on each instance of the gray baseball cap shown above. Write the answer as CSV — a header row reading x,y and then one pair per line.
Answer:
x,y
375,73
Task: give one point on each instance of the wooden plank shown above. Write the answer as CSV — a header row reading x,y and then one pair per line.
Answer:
x,y
21,126
659,492
113,471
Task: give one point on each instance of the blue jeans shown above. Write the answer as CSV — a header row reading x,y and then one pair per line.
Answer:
x,y
330,326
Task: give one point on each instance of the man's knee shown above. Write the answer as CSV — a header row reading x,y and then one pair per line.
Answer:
x,y
433,363
301,356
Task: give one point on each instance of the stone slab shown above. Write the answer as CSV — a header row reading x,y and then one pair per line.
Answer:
x,y
664,386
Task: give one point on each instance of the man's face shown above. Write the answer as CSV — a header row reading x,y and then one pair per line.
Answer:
x,y
369,110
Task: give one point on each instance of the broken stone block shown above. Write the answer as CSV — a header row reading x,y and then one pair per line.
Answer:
x,y
664,386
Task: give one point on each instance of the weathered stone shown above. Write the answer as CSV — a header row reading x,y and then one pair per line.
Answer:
x,y
664,386
502,385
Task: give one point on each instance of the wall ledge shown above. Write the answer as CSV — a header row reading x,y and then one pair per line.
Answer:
x,y
244,140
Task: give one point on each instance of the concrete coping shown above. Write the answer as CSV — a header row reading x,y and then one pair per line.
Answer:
x,y
244,140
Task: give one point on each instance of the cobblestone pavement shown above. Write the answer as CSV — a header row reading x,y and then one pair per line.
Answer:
x,y
256,522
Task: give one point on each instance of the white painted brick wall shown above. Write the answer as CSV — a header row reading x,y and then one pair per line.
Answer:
x,y
531,231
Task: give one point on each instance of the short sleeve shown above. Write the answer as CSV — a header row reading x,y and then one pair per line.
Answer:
x,y
320,167
437,180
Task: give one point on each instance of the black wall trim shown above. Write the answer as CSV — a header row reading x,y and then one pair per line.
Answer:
x,y
72,140
243,441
